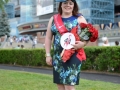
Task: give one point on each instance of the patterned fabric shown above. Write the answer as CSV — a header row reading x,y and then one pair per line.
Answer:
x,y
69,72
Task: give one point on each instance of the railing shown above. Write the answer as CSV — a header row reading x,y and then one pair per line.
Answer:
x,y
110,33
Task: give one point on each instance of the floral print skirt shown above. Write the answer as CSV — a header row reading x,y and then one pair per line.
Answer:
x,y
66,73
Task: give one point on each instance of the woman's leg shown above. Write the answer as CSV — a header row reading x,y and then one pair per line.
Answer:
x,y
69,87
60,87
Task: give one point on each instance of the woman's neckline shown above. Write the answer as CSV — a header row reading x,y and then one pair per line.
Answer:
x,y
66,17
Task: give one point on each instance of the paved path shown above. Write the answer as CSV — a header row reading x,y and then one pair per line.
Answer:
x,y
84,75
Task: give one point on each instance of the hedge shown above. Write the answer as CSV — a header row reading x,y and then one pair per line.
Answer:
x,y
98,58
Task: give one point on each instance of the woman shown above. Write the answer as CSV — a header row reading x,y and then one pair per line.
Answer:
x,y
105,41
65,74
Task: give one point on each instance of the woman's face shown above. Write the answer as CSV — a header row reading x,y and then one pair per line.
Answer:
x,y
106,42
67,7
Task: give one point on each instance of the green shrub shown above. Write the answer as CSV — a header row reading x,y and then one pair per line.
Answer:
x,y
98,58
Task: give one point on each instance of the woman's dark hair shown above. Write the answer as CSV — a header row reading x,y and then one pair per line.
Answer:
x,y
116,43
22,46
75,9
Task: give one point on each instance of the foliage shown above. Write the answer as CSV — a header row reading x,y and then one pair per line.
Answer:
x,y
2,3
102,59
25,57
98,58
4,25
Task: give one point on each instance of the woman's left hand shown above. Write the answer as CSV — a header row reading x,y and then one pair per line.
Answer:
x,y
78,45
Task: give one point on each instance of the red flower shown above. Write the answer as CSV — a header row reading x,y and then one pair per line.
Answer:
x,y
94,36
89,26
83,25
89,30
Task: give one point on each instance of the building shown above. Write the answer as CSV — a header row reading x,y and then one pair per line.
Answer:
x,y
117,10
112,30
29,20
97,11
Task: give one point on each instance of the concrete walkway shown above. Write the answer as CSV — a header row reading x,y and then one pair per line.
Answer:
x,y
113,78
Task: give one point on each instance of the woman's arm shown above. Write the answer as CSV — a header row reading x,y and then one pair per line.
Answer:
x,y
81,19
49,36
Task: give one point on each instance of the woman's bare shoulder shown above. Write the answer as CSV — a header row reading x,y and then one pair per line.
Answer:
x,y
51,19
81,19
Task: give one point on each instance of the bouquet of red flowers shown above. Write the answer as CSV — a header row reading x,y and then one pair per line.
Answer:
x,y
88,32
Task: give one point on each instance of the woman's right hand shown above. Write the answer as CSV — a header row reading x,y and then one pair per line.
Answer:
x,y
49,60
78,45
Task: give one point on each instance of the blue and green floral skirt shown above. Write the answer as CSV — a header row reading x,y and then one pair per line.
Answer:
x,y
66,73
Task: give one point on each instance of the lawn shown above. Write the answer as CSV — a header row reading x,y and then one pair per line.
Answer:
x,y
19,80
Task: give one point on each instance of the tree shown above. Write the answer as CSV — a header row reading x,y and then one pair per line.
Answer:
x,y
2,3
4,25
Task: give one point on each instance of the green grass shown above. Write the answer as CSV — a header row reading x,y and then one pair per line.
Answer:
x,y
19,80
